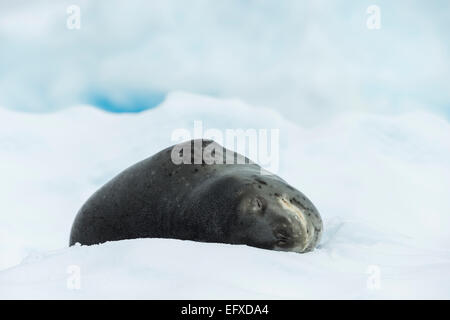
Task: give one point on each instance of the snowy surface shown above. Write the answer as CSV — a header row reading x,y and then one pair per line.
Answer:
x,y
174,269
318,54
381,184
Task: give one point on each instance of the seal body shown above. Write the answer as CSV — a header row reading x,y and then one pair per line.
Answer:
x,y
191,191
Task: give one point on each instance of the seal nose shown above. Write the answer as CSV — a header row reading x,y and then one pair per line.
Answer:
x,y
298,237
309,237
303,229
304,235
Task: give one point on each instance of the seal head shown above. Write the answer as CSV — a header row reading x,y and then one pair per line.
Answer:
x,y
270,214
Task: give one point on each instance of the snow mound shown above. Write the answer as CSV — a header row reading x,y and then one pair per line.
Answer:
x,y
174,269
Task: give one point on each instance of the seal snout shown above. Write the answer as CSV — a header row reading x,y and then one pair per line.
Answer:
x,y
303,231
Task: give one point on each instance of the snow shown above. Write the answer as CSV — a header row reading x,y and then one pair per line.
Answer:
x,y
318,54
380,183
174,269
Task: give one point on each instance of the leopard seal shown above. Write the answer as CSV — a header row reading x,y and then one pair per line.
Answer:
x,y
191,191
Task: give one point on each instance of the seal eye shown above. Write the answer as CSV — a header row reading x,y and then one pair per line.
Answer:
x,y
257,205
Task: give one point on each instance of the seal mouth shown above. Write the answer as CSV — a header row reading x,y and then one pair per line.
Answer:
x,y
306,227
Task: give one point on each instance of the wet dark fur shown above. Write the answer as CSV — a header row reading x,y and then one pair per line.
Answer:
x,y
156,198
